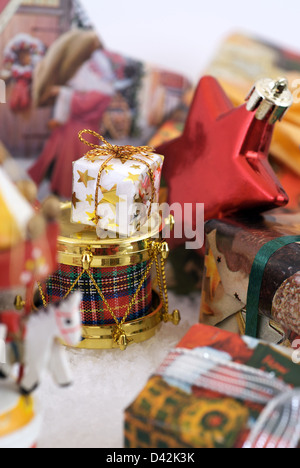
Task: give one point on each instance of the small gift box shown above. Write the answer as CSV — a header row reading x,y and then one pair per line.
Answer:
x,y
253,265
209,393
115,188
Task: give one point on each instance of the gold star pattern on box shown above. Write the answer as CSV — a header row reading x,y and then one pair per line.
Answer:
x,y
132,177
109,168
75,200
89,199
92,216
110,196
84,178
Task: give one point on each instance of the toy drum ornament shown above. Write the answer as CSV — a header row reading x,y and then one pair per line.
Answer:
x,y
119,304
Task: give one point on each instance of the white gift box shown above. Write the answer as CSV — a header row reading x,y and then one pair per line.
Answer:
x,y
124,192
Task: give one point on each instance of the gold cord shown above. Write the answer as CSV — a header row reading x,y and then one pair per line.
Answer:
x,y
157,250
42,295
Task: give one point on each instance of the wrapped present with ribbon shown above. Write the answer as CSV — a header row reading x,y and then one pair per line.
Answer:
x,y
252,269
115,187
213,391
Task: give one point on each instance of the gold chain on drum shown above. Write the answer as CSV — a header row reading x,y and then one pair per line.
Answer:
x,y
159,252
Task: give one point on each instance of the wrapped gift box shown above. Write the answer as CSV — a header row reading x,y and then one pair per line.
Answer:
x,y
240,272
174,411
124,192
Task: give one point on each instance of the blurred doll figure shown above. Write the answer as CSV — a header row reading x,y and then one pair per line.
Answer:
x,y
77,77
21,55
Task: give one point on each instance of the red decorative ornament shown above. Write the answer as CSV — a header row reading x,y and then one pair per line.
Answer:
x,y
221,159
30,261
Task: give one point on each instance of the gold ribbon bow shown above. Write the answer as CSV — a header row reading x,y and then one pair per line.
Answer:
x,y
124,153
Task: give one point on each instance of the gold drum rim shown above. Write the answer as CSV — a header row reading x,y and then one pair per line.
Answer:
x,y
137,331
75,240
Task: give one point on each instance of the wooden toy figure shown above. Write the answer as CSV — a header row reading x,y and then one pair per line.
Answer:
x,y
41,347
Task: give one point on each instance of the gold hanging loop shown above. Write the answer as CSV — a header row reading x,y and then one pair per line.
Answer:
x,y
161,253
86,260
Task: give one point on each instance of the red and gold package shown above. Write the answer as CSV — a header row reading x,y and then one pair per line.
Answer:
x,y
174,410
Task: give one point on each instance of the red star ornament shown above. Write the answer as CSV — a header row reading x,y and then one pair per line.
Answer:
x,y
221,159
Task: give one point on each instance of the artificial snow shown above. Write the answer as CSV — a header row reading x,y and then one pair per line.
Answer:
x,y
90,413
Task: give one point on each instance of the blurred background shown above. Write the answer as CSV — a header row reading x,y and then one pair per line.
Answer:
x,y
184,35
128,70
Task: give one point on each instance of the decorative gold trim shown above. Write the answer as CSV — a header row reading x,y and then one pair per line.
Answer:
x,y
75,240
136,331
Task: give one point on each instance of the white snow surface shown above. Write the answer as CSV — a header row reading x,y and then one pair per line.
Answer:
x,y
90,413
